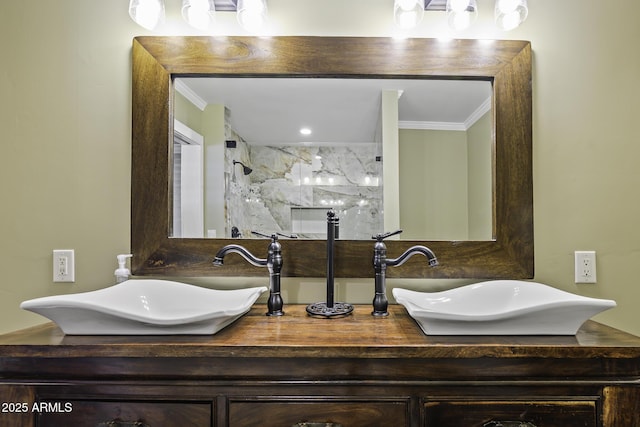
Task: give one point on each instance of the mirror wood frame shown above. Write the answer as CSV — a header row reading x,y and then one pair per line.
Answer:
x,y
158,60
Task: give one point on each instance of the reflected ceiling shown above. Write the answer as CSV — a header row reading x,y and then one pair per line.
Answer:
x,y
336,110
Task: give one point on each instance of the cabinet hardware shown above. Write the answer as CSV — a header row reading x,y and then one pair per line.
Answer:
x,y
120,423
328,424
508,424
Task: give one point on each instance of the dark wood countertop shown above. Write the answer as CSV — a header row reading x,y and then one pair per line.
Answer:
x,y
298,335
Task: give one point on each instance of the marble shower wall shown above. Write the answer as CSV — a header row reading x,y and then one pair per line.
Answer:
x,y
292,187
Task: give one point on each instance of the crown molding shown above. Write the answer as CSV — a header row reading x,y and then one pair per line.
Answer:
x,y
193,97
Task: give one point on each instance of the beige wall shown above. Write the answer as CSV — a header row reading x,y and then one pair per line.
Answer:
x,y
214,190
391,160
65,118
433,184
187,113
479,149
445,183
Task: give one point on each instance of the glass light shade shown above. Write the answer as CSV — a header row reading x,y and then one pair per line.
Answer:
x,y
147,13
509,14
198,13
407,14
461,13
252,14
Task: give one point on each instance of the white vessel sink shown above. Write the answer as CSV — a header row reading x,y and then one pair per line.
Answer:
x,y
146,307
501,307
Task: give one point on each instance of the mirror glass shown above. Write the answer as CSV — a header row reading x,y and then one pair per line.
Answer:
x,y
274,154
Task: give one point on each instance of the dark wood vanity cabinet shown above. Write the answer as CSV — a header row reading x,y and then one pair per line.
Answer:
x,y
297,371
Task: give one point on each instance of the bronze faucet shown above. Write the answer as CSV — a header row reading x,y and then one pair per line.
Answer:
x,y
380,263
273,262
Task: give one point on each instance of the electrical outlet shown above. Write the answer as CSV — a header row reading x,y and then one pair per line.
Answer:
x,y
64,265
585,266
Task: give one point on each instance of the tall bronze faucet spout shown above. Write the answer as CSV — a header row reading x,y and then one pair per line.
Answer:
x,y
218,261
330,308
418,249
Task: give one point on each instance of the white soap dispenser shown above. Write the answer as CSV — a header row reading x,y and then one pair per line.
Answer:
x,y
122,273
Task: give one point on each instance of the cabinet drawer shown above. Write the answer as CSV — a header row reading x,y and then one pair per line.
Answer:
x,y
539,414
287,412
100,413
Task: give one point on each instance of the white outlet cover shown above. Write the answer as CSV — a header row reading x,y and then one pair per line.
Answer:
x,y
585,267
64,266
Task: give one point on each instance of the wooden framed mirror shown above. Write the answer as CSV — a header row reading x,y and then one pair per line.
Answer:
x,y
158,61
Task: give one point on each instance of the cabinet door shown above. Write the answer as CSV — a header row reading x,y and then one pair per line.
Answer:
x,y
124,414
288,412
538,414
16,401
621,406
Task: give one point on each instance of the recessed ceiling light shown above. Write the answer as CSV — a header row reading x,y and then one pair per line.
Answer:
x,y
305,131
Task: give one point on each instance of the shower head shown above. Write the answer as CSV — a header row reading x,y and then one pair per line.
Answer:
x,y
245,169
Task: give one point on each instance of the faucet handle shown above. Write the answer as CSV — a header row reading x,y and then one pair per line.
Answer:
x,y
381,236
288,236
273,236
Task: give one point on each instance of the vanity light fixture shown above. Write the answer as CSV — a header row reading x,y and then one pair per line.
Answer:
x,y
147,13
251,14
305,131
509,14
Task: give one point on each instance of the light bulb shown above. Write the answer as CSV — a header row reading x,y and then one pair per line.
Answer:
x,y
408,13
252,14
459,21
406,4
458,5
146,13
507,6
197,13
509,14
461,13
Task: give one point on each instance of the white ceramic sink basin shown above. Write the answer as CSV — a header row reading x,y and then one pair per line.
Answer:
x,y
146,307
501,307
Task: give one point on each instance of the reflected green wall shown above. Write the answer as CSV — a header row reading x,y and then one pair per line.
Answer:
x,y
210,124
433,184
188,113
480,178
446,183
